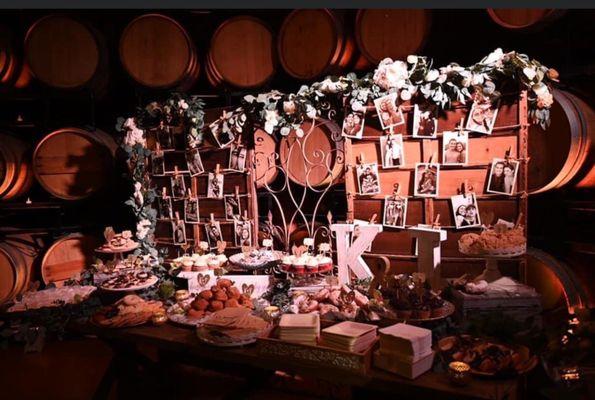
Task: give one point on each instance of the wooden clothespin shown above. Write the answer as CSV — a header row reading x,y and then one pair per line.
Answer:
x,y
396,190
245,217
461,126
466,188
270,217
212,218
507,153
176,171
237,193
432,157
189,193
361,159
373,218
157,147
217,169
436,223
177,217
329,217
518,220
164,192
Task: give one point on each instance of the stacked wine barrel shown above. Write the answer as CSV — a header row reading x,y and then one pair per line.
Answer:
x,y
13,71
524,19
15,169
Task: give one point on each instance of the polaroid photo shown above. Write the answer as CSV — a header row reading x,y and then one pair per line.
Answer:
x,y
179,232
503,175
164,208
395,211
214,235
357,223
482,116
425,125
237,157
353,124
426,179
465,211
389,112
368,179
232,205
157,164
242,233
215,186
392,151
223,133
194,162
165,138
178,186
191,210
455,147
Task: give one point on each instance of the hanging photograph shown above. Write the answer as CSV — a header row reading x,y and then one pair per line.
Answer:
x,y
503,174
237,157
243,233
225,133
392,151
368,179
395,211
482,116
157,164
455,147
214,235
164,208
178,186
389,112
179,232
215,186
165,138
194,162
353,124
191,213
424,123
465,210
426,179
232,207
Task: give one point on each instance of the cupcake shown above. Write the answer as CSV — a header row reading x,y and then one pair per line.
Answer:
x,y
312,265
187,264
222,259
298,266
325,264
213,263
286,263
200,265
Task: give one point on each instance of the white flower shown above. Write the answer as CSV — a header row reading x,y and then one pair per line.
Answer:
x,y
411,59
441,78
134,135
138,195
310,111
432,75
142,228
466,75
270,117
391,74
540,89
529,72
249,98
182,104
328,86
203,245
477,79
494,58
285,131
357,105
405,95
299,132
289,107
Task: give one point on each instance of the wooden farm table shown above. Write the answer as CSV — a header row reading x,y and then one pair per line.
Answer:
x,y
178,344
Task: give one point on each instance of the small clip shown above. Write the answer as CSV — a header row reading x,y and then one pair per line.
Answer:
x,y
237,192
217,169
177,216
507,153
176,172
436,223
212,216
432,157
245,215
190,193
164,192
396,189
157,147
329,217
518,220
373,218
361,159
461,126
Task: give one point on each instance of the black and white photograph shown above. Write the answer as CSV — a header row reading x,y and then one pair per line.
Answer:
x,y
194,162
157,164
482,116
215,186
389,112
179,232
424,123
368,179
164,208
165,138
503,174
392,151
223,136
214,235
395,211
237,157
353,124
191,210
178,186
465,210
232,207
455,147
243,233
426,179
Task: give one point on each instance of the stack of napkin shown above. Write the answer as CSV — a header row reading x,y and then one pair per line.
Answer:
x,y
350,336
405,350
300,328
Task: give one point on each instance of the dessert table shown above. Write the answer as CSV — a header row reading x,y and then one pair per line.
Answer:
x,y
180,345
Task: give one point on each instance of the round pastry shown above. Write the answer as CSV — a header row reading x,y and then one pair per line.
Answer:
x,y
142,275
234,293
216,305
224,283
232,303
312,266
298,266
325,264
206,294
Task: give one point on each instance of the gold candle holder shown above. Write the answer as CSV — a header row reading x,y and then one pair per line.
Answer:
x,y
459,373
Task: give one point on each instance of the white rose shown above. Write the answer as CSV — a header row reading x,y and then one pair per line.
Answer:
x,y
432,75
477,79
540,89
203,245
357,106
299,132
529,72
285,131
411,59
494,57
405,95
441,78
271,122
182,104
310,111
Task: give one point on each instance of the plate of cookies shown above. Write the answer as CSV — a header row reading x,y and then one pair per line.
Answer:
x,y
129,311
129,281
231,327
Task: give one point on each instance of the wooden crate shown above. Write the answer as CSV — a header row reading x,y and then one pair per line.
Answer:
x,y
510,132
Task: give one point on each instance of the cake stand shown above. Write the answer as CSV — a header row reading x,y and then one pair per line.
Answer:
x,y
117,253
491,271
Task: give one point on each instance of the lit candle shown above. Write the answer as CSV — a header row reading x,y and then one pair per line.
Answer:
x,y
459,373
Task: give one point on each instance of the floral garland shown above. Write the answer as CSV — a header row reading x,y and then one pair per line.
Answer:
x,y
179,109
415,79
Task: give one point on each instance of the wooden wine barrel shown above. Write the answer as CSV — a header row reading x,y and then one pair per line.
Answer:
x,y
64,53
157,52
313,43
316,159
241,54
564,154
16,174
394,33
524,18
554,280
13,71
68,257
265,158
73,163
14,272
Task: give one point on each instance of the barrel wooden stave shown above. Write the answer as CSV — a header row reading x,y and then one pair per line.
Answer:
x,y
394,33
67,257
16,175
157,52
17,254
524,18
563,154
73,163
65,53
241,53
